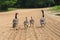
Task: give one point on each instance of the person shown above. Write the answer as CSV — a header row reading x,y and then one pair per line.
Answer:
x,y
31,22
26,23
15,21
42,13
42,21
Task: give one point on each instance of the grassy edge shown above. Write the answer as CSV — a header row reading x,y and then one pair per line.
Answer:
x,y
9,9
55,9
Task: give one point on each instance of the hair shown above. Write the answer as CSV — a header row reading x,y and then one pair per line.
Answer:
x,y
42,13
16,15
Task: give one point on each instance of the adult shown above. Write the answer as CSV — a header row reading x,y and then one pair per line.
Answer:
x,y
15,21
42,20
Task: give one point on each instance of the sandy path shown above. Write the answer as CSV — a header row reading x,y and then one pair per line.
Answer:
x,y
51,31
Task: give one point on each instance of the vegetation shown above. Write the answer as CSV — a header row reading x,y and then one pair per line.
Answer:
x,y
55,8
34,3
6,4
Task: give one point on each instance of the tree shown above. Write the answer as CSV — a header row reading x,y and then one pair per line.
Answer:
x,y
33,3
57,2
4,4
37,3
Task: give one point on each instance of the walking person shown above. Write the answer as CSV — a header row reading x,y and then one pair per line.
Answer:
x,y
42,20
26,23
15,22
31,22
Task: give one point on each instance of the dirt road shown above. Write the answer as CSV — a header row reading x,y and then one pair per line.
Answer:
x,y
51,31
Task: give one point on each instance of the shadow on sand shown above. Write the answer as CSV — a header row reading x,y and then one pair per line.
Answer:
x,y
58,14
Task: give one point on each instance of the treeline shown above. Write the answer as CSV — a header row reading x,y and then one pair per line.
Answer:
x,y
5,4
34,3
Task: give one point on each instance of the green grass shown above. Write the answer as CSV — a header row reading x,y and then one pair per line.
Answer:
x,y
11,9
55,8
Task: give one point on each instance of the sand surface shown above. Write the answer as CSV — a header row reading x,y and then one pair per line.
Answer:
x,y
51,30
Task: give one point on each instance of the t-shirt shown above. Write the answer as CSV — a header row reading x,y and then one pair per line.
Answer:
x,y
32,21
42,20
25,22
15,21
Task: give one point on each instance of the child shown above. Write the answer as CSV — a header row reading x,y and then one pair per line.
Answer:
x,y
31,21
26,23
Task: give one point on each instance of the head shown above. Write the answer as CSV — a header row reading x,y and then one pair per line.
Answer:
x,y
16,14
26,18
31,17
42,10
